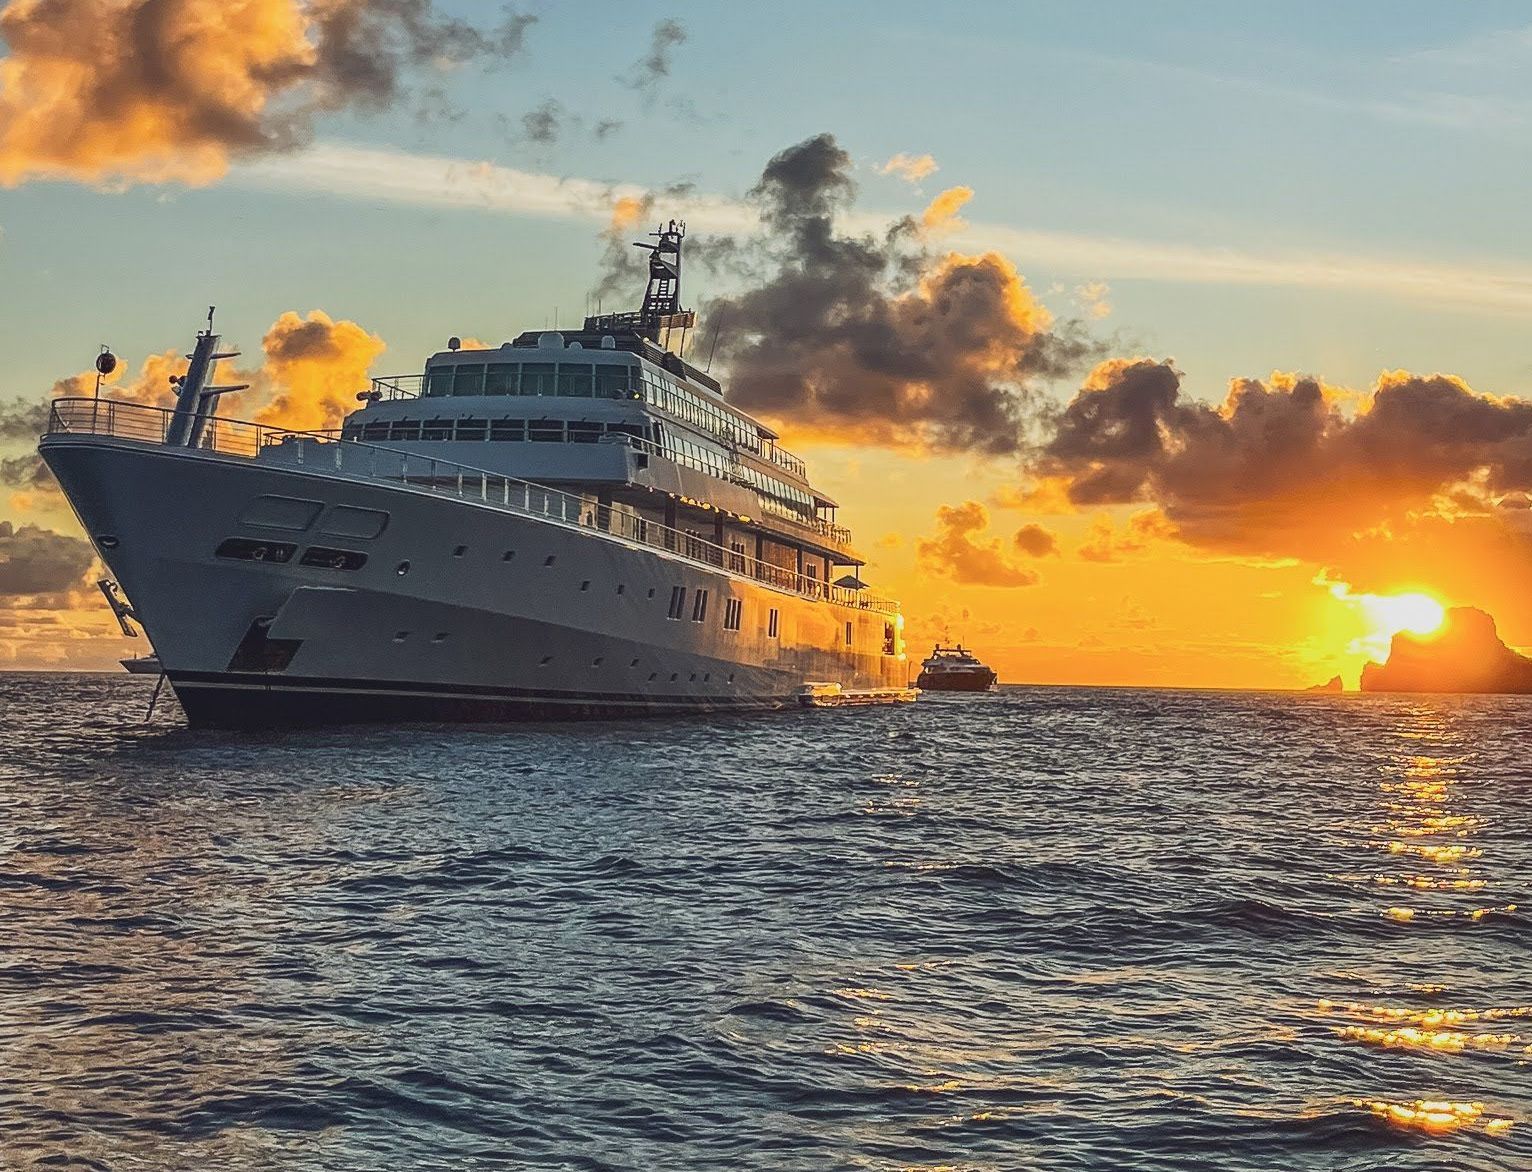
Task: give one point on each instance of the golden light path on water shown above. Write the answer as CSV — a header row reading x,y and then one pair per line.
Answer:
x,y
1429,843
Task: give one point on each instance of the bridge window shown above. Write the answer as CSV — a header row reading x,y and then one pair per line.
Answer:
x,y
583,432
469,380
439,381
613,382
538,378
545,431
472,429
576,379
405,429
508,429
502,378
436,429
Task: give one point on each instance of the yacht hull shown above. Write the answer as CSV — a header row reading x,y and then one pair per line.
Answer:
x,y
452,609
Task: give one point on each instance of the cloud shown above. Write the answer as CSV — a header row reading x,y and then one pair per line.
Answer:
x,y
910,168
34,560
1104,543
1279,467
958,551
867,337
315,366
1035,541
941,214
1092,298
654,66
374,175
171,90
542,124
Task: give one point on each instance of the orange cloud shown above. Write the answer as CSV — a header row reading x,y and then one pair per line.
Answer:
x,y
941,214
960,552
316,366
170,90
910,168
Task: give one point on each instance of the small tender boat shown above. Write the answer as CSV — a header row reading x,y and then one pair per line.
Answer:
x,y
954,669
142,665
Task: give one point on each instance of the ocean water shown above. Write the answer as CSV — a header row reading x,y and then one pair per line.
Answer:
x,y
1044,928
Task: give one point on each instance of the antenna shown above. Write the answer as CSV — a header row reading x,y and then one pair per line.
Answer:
x,y
210,311
712,348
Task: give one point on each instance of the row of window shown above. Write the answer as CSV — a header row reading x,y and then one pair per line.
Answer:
x,y
554,431
602,381
682,402
579,380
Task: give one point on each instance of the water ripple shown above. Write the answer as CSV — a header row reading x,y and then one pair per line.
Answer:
x,y
1046,928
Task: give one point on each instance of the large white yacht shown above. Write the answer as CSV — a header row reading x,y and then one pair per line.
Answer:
x,y
573,524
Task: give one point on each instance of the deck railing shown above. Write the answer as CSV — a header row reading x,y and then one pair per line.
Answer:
x,y
326,453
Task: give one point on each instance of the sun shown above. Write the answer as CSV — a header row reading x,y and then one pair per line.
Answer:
x,y
1418,614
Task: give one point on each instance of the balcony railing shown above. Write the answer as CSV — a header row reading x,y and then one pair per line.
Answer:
x,y
326,453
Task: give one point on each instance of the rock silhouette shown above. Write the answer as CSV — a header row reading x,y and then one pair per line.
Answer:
x,y
1466,655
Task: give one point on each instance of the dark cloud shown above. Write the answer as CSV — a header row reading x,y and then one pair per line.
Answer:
x,y
542,124
161,90
654,66
1035,541
26,419
873,337
34,560
27,472
1279,466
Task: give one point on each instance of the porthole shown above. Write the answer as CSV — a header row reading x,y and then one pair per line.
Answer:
x,y
402,569
674,676
459,551
633,664
507,555
654,675
439,637
584,586
107,541
545,661
621,589
596,662
550,559
401,636
651,592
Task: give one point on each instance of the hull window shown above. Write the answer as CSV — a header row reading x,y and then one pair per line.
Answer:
x,y
772,624
848,634
733,612
677,601
244,550
699,607
333,559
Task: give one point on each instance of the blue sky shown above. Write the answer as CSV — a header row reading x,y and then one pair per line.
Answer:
x,y
1392,133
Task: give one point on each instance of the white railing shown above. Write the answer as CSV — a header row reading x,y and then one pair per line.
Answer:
x,y
325,452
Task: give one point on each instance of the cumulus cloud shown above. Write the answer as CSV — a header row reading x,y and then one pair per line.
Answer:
x,y
34,560
870,338
910,168
315,365
171,90
960,549
1279,464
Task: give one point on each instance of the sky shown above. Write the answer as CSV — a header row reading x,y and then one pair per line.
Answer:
x,y
1213,319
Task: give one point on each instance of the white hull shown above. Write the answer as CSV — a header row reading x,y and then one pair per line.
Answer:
x,y
574,622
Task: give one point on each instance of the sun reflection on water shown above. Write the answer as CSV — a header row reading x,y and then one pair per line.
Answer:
x,y
1423,826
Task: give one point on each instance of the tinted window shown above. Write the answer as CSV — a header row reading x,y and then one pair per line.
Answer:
x,y
575,379
537,378
469,380
508,429
502,379
439,381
